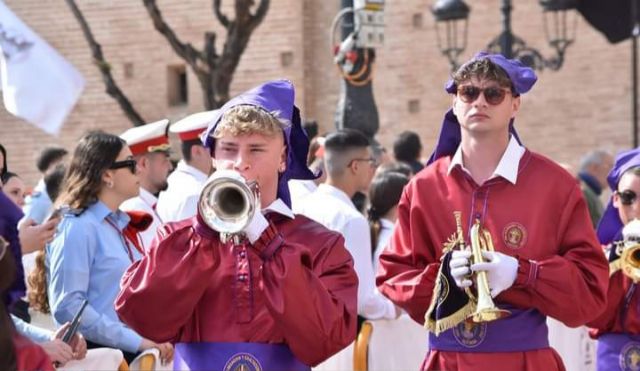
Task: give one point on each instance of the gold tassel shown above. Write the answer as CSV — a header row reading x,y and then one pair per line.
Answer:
x,y
444,324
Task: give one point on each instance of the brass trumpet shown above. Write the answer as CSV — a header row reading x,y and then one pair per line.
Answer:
x,y
227,203
629,262
481,240
486,310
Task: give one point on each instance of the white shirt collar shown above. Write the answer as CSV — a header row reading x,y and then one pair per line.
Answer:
x,y
148,197
184,167
507,167
278,206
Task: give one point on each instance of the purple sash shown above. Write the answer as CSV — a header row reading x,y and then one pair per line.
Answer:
x,y
233,356
521,331
618,352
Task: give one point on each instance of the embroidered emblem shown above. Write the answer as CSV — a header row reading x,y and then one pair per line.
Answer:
x,y
630,357
444,288
243,362
470,334
514,235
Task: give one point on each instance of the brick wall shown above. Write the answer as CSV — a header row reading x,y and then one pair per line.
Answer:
x,y
585,105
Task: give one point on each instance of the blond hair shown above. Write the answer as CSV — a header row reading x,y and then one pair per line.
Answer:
x,y
246,119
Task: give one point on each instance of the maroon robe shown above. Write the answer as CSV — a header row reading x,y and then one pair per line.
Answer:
x,y
296,285
542,220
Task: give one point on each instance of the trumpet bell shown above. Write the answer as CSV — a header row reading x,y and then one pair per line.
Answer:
x,y
630,261
227,202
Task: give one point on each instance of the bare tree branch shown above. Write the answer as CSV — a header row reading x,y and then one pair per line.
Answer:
x,y
184,50
261,12
221,17
105,69
215,72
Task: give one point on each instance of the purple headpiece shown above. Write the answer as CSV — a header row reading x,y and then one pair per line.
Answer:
x,y
610,224
522,78
274,96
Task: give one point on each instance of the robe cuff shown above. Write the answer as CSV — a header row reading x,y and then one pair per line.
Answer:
x,y
527,273
268,242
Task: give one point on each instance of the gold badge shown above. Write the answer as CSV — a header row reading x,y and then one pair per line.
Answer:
x,y
470,334
630,357
243,362
514,235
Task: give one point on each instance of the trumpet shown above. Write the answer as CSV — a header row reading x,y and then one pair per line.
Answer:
x,y
481,240
629,262
486,309
228,202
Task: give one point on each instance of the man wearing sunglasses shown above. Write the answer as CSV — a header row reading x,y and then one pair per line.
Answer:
x,y
618,328
546,253
150,147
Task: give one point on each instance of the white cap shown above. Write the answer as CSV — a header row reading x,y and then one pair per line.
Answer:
x,y
148,138
192,126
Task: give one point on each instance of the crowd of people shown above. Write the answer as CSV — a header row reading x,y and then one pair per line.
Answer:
x,y
342,233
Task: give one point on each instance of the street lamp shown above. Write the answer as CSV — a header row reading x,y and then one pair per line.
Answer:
x,y
453,17
451,13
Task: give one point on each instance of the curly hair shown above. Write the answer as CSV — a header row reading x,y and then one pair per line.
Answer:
x,y
94,154
37,285
483,69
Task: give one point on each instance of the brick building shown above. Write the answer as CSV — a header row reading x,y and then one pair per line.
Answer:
x,y
583,106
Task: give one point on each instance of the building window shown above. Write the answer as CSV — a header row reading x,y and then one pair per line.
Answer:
x,y
177,85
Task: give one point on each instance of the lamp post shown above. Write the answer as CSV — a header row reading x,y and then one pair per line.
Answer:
x,y
452,17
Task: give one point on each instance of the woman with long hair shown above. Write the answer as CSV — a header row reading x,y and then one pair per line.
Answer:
x,y
91,250
384,194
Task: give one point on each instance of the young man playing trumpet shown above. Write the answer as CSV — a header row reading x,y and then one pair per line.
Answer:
x,y
546,252
618,328
280,295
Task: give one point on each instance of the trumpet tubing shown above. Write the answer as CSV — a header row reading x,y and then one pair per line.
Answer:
x,y
486,309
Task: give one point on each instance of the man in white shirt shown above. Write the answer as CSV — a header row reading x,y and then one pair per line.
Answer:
x,y
150,147
180,200
350,166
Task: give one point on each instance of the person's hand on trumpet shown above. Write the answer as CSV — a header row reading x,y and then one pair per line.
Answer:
x,y
501,269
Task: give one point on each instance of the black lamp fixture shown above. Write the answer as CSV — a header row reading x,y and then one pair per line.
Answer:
x,y
559,29
452,19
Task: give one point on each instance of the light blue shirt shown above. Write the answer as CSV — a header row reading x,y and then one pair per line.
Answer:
x,y
34,333
38,205
87,259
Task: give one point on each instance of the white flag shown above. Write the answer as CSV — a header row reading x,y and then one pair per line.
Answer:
x,y
38,84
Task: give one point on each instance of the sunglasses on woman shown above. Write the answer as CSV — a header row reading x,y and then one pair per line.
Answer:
x,y
493,95
130,164
627,197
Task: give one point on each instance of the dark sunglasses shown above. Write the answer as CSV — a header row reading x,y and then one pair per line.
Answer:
x,y
494,95
627,197
130,164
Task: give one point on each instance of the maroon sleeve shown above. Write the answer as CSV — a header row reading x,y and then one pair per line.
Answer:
x,y
408,266
310,288
171,279
579,271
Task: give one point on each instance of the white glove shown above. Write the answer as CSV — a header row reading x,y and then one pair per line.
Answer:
x,y
631,231
459,268
501,270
